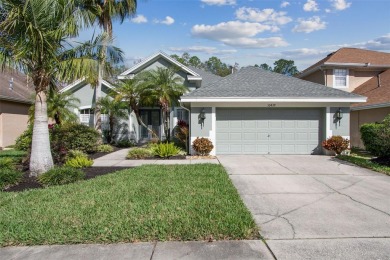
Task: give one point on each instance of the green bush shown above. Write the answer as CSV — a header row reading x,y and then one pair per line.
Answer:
x,y
165,150
9,176
125,143
376,137
75,153
7,163
79,162
105,148
23,142
73,137
336,144
202,146
60,176
139,153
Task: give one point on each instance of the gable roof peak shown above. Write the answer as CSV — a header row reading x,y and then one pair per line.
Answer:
x,y
152,58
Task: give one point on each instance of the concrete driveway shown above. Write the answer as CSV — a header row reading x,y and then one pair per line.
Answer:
x,y
315,207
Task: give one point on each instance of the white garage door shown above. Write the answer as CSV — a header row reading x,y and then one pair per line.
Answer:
x,y
268,131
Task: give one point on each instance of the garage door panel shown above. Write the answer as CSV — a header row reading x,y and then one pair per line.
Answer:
x,y
267,131
235,136
249,136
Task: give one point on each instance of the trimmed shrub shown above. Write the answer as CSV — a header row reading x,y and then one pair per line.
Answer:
x,y
104,148
165,150
182,133
7,163
376,137
139,153
9,176
73,137
124,143
75,153
79,162
23,142
202,146
336,144
60,176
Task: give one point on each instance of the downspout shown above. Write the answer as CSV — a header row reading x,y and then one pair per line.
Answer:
x,y
189,126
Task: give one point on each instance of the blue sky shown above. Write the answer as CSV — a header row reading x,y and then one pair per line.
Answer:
x,y
254,32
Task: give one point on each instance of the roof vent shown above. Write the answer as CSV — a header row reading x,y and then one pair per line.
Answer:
x,y
367,64
11,84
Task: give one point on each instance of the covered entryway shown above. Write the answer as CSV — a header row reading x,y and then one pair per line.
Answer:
x,y
268,130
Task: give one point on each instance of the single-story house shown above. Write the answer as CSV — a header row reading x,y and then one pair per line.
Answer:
x,y
359,71
255,111
15,101
252,111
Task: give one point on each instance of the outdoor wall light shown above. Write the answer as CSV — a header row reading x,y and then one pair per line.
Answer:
x,y
202,117
339,115
202,114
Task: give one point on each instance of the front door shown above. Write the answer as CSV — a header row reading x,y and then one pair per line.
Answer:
x,y
151,118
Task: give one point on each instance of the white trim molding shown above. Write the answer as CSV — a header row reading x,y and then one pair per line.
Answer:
x,y
213,131
328,117
268,100
79,81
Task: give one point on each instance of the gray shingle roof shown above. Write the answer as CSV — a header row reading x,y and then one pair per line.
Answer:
x,y
207,77
252,82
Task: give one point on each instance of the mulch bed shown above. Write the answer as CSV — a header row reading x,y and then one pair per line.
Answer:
x,y
28,182
382,161
176,157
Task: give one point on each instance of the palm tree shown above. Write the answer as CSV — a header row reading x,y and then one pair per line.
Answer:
x,y
115,110
35,39
59,107
131,92
164,88
105,12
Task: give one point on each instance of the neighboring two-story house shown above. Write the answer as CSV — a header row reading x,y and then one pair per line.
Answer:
x,y
15,101
359,71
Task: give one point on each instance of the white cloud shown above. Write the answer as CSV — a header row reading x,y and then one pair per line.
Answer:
x,y
311,6
256,43
227,30
327,10
139,19
310,25
381,43
168,20
305,53
267,16
238,34
284,4
203,49
340,5
219,2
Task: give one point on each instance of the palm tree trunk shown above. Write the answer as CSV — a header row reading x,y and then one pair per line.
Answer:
x,y
98,94
41,159
168,119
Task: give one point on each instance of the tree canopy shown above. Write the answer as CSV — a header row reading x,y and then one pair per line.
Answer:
x,y
282,66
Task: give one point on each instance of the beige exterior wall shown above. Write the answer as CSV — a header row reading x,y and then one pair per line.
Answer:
x,y
356,78
13,121
361,117
317,77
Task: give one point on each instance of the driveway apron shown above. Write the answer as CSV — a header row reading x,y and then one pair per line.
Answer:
x,y
314,207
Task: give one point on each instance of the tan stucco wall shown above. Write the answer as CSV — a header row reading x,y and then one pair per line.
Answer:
x,y
316,77
361,117
13,121
356,78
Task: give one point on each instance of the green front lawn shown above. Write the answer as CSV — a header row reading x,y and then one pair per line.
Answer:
x,y
148,203
364,160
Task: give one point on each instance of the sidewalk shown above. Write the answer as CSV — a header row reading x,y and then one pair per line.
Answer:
x,y
118,159
245,249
